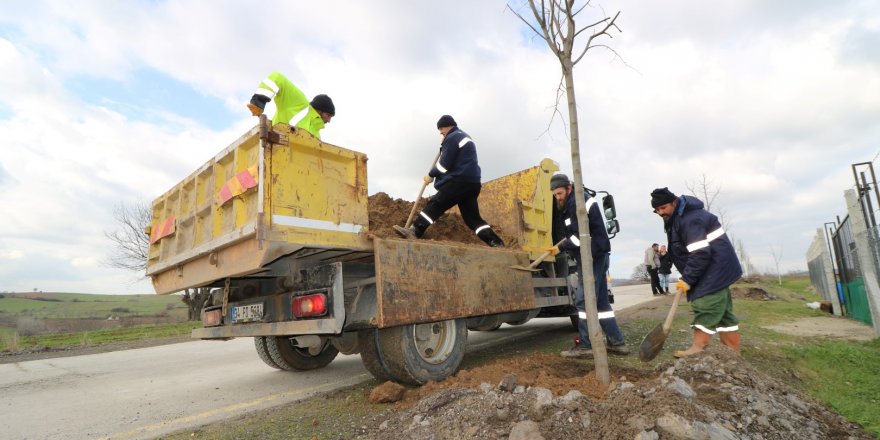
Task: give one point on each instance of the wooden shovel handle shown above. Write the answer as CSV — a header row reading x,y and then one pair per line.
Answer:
x,y
668,323
412,212
541,258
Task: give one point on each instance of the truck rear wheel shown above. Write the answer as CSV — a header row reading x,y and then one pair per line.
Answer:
x,y
486,323
292,358
525,317
372,357
263,352
418,353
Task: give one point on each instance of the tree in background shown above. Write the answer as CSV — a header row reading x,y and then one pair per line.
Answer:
x,y
554,21
131,248
640,273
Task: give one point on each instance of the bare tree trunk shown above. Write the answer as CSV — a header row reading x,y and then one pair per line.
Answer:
x,y
594,330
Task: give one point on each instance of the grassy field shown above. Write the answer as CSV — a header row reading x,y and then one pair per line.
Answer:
x,y
27,319
842,374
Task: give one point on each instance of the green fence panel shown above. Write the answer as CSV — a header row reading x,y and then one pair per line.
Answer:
x,y
857,301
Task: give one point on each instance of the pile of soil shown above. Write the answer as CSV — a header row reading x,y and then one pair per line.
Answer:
x,y
385,212
714,394
755,293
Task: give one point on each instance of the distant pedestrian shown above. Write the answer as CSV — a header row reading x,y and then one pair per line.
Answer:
x,y
703,254
665,269
652,263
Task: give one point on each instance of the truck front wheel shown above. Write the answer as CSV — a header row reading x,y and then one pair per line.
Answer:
x,y
292,358
418,353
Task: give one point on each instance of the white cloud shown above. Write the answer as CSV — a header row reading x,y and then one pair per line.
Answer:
x,y
771,101
11,254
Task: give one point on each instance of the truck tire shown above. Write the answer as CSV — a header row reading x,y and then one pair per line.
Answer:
x,y
526,316
418,353
263,352
487,323
292,358
371,355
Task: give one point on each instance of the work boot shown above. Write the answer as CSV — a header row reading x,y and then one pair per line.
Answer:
x,y
578,352
620,350
701,340
491,238
409,232
730,339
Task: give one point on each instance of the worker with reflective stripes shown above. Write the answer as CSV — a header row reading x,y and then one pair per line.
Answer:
x,y
600,250
456,176
705,257
290,101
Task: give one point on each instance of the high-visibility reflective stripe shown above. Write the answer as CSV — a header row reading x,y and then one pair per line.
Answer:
x,y
590,203
422,213
705,243
264,92
271,85
568,221
477,231
703,329
727,329
574,240
463,142
310,223
582,315
440,168
606,315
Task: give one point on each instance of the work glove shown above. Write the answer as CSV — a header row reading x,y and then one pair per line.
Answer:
x,y
554,250
683,286
257,104
428,180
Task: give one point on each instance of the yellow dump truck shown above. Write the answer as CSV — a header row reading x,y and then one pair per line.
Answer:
x,y
277,223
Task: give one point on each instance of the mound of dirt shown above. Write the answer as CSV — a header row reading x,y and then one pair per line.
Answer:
x,y
712,395
755,293
385,212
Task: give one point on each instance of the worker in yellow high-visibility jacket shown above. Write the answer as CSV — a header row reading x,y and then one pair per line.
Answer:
x,y
289,101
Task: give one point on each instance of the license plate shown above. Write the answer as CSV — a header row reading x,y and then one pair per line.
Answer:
x,y
250,312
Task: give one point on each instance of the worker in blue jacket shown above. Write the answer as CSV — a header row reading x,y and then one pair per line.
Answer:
x,y
456,176
600,250
704,255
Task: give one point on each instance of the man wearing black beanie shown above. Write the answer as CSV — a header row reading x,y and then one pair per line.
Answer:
x,y
704,256
457,175
289,101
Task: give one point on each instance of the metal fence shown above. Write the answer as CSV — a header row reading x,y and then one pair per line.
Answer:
x,y
852,283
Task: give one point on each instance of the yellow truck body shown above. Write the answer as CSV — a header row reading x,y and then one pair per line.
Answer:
x,y
277,225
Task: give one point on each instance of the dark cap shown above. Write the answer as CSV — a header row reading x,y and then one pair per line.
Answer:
x,y
559,180
662,196
446,121
323,103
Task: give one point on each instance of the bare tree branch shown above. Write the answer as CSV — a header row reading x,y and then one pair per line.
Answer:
x,y
131,242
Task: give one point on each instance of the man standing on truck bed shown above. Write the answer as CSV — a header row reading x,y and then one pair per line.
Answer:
x,y
457,175
704,256
600,249
289,101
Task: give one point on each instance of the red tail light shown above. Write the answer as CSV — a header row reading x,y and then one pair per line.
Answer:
x,y
309,305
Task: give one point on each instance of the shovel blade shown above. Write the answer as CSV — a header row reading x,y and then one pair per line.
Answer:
x,y
652,344
525,268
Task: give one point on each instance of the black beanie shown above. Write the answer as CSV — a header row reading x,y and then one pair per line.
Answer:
x,y
446,121
661,196
323,103
559,180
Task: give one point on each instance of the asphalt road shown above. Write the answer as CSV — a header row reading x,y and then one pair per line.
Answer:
x,y
144,393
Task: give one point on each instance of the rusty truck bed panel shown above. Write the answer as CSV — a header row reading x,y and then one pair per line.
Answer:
x,y
418,281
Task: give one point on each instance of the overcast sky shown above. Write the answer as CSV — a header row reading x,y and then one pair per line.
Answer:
x,y
103,103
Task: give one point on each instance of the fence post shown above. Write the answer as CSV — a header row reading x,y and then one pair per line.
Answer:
x,y
864,253
818,251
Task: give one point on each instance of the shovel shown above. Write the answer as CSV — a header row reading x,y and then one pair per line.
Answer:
x,y
534,266
412,213
653,342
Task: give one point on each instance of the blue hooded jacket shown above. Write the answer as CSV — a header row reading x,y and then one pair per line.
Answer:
x,y
700,249
600,244
458,160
